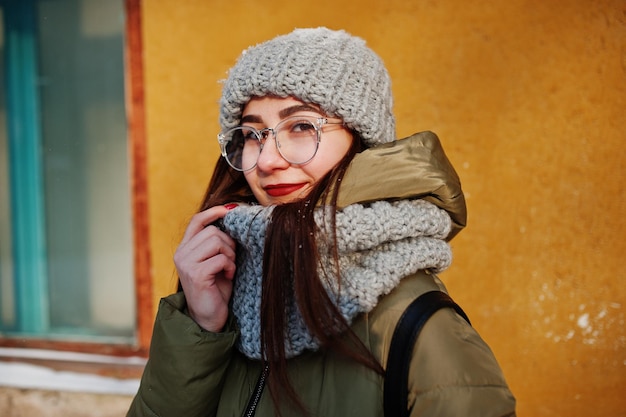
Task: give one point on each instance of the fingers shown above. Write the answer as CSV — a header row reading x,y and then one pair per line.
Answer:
x,y
205,262
201,220
206,254
203,273
209,242
202,240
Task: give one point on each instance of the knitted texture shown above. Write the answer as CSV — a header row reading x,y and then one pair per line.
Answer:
x,y
332,69
378,245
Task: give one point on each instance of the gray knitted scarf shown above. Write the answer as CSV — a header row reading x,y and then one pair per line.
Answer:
x,y
378,245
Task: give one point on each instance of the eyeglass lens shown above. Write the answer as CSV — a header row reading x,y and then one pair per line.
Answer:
x,y
296,140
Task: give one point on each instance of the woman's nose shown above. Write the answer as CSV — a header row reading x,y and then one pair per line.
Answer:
x,y
270,158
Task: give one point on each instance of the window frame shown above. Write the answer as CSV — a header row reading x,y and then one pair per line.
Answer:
x,y
137,145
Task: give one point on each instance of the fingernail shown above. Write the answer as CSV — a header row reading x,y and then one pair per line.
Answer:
x,y
230,206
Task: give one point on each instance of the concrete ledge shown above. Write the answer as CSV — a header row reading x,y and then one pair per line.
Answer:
x,y
17,402
24,375
68,371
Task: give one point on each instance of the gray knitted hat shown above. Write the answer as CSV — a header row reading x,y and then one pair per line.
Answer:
x,y
332,69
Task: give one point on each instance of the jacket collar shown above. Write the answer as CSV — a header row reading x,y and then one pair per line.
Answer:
x,y
415,167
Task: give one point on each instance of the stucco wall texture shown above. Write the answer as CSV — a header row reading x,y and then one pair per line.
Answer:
x,y
528,98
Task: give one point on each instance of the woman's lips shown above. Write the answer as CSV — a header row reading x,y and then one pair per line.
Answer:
x,y
279,190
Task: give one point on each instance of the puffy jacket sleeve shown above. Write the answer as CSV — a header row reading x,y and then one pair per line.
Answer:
x,y
454,373
185,371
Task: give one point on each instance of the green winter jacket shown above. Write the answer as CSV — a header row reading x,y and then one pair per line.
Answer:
x,y
192,372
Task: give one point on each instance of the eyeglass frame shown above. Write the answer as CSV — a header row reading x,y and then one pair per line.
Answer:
x,y
260,136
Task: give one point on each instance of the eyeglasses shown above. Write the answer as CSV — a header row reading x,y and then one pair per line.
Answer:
x,y
297,140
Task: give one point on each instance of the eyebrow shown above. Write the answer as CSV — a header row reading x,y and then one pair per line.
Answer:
x,y
286,112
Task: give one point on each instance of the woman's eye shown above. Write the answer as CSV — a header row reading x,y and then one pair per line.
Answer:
x,y
249,135
303,126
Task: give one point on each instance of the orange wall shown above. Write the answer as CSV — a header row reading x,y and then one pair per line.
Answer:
x,y
528,98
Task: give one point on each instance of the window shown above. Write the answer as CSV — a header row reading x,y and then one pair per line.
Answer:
x,y
67,258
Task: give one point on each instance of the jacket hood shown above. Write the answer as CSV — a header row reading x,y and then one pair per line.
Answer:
x,y
415,167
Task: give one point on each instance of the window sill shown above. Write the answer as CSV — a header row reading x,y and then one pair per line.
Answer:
x,y
69,371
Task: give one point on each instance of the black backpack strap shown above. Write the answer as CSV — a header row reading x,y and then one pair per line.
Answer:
x,y
404,337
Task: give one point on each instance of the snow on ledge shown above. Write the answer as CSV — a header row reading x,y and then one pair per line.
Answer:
x,y
25,375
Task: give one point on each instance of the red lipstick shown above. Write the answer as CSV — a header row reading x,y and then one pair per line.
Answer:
x,y
279,190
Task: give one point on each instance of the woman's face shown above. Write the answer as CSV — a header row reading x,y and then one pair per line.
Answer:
x,y
274,180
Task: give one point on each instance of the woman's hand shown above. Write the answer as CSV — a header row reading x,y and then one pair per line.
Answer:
x,y
205,261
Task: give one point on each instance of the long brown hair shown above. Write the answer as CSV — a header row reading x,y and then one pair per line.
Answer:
x,y
290,272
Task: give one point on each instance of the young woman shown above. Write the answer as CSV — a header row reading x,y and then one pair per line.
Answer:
x,y
317,230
